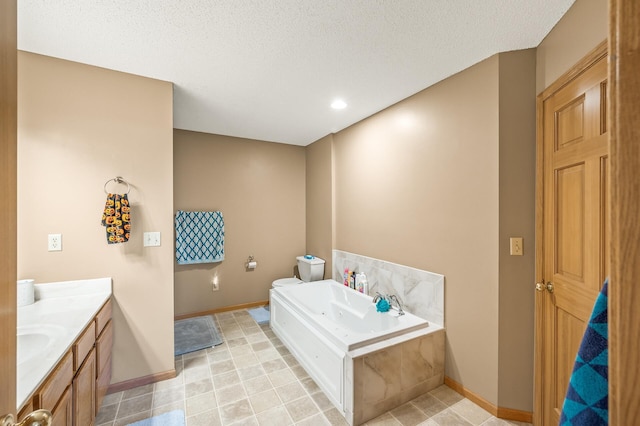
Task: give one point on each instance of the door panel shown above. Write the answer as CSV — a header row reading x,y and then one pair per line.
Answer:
x,y
570,124
567,347
570,227
574,148
8,189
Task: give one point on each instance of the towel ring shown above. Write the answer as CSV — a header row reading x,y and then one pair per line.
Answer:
x,y
117,179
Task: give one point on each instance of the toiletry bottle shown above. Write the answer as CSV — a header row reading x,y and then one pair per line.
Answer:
x,y
364,285
361,283
346,276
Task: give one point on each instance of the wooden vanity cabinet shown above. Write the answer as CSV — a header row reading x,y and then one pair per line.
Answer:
x,y
74,390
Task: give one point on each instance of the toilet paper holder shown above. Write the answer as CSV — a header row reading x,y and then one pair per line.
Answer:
x,y
251,264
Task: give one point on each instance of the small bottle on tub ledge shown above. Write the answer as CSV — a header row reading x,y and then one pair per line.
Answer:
x,y
361,283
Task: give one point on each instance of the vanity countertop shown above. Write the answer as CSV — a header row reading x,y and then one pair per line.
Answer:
x,y
48,327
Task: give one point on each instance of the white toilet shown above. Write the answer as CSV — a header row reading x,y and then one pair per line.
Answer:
x,y
311,268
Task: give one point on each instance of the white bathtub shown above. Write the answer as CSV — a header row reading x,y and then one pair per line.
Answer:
x,y
347,318
340,339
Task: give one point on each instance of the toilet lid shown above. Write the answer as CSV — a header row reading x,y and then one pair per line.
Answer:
x,y
286,281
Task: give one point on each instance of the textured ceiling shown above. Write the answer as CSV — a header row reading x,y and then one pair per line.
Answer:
x,y
268,69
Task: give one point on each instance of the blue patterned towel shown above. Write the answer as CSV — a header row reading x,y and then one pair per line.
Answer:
x,y
199,237
587,399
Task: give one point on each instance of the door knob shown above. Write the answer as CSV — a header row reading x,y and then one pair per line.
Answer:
x,y
541,286
35,418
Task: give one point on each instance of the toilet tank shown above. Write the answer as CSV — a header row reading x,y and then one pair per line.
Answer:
x,y
310,269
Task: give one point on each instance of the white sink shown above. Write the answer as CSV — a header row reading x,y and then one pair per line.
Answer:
x,y
36,340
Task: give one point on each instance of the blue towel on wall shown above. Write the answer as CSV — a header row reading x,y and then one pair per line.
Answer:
x,y
587,399
199,237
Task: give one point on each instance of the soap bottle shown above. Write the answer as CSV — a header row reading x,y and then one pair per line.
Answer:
x,y
346,277
361,283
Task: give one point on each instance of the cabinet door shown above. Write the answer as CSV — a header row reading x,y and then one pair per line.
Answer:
x,y
103,363
84,390
62,412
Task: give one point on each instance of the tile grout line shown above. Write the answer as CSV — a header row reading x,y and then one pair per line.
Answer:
x,y
273,385
215,395
236,369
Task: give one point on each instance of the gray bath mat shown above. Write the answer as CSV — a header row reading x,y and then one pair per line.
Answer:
x,y
193,334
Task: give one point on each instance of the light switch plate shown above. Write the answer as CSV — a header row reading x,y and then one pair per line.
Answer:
x,y
515,246
151,239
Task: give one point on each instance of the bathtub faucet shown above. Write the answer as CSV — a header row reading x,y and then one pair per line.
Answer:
x,y
394,299
378,297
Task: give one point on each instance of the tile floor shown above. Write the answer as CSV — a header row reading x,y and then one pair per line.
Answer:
x,y
252,379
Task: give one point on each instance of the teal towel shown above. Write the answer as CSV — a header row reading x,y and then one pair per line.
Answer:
x,y
587,399
199,237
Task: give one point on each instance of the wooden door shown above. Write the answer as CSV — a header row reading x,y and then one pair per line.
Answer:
x,y
624,293
8,189
573,233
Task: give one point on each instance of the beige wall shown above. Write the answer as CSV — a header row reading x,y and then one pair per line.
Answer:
x,y
79,126
319,179
440,182
417,184
517,219
579,31
260,189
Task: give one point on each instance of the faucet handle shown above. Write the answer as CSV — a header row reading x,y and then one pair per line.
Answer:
x,y
394,298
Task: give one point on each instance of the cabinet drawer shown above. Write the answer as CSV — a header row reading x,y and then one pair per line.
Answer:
x,y
104,344
56,383
103,317
83,345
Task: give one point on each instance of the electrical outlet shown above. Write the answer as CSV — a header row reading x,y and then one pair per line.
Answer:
x,y
55,242
515,246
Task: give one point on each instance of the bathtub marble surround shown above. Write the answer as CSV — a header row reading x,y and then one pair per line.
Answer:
x,y
421,292
388,378
252,380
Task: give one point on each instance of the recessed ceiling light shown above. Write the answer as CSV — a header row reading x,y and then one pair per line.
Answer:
x,y
338,104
